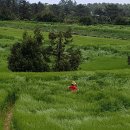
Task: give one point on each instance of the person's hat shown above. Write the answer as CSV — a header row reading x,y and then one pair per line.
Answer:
x,y
73,82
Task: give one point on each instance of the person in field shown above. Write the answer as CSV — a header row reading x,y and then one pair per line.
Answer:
x,y
73,87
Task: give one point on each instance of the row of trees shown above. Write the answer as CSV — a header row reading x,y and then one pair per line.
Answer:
x,y
32,54
66,11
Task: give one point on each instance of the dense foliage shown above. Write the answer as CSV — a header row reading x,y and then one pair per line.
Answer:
x,y
66,11
66,58
28,55
31,55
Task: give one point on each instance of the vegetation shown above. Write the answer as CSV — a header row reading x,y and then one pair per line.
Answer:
x,y
42,100
66,58
86,21
32,56
106,31
29,55
91,47
66,11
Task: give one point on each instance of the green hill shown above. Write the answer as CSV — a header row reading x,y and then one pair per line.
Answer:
x,y
42,101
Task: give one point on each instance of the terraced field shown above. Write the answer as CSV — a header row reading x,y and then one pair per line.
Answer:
x,y
41,101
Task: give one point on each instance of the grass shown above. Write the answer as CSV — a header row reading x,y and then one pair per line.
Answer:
x,y
103,98
109,31
42,99
92,48
3,103
105,63
3,98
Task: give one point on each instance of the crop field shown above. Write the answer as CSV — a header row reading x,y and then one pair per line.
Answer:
x,y
41,101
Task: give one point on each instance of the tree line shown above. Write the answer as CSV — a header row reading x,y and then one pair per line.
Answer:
x,y
66,11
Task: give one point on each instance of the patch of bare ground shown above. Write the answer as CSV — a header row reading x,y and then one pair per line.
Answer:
x,y
8,117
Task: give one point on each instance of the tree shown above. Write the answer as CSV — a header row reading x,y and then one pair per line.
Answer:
x,y
28,56
86,21
46,17
112,11
62,53
121,21
24,10
75,58
82,11
8,9
67,11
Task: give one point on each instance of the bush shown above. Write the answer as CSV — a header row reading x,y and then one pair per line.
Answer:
x,y
122,21
27,56
86,21
48,17
31,56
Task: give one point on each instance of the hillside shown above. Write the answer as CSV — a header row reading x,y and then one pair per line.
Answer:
x,y
42,101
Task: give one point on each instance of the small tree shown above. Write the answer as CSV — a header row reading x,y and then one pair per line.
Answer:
x,y
31,56
27,56
75,58
63,55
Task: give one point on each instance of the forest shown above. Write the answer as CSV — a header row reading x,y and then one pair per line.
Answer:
x,y
66,11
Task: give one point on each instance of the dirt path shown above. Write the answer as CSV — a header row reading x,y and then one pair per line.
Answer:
x,y
8,117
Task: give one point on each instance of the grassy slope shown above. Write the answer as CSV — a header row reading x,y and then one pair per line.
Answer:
x,y
44,103
105,47
121,32
103,102
106,63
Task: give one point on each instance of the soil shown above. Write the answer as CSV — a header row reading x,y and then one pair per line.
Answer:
x,y
8,117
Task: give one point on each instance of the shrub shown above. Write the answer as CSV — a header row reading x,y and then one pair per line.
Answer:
x,y
30,55
27,56
86,21
122,21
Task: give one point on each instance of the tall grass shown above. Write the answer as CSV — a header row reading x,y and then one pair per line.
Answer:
x,y
43,101
3,98
101,99
109,31
3,104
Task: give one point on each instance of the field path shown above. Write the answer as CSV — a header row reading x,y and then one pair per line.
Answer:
x,y
8,117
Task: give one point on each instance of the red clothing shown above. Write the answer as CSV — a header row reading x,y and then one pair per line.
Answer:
x,y
73,88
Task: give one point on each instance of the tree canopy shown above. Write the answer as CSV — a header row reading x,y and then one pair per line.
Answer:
x,y
67,11
32,54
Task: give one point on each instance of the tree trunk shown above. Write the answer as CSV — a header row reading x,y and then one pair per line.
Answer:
x,y
128,60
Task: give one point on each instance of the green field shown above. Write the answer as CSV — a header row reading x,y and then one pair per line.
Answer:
x,y
41,101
